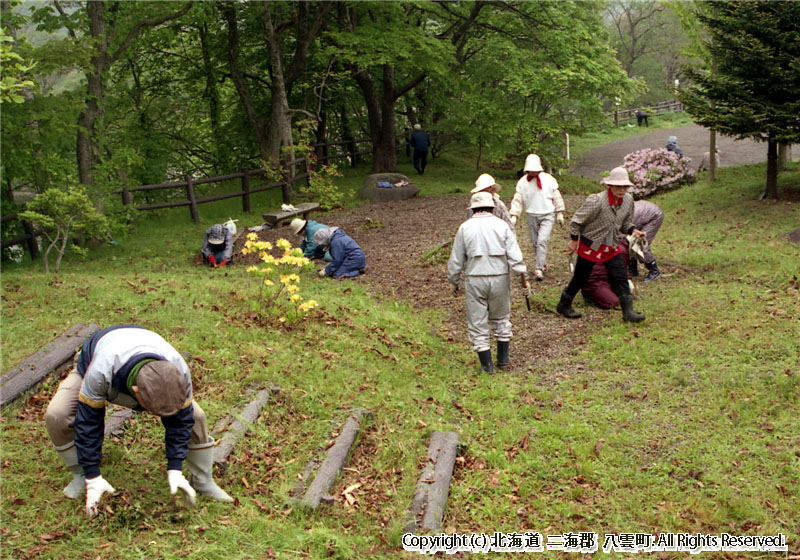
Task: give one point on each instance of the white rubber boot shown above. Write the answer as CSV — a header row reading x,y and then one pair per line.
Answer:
x,y
200,461
77,487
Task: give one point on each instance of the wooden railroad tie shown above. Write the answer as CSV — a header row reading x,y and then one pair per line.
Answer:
x,y
427,506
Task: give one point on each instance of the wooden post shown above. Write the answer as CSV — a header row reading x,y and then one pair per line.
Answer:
x,y
246,189
352,147
33,244
192,199
308,171
127,198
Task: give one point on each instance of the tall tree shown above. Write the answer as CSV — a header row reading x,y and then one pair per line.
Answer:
x,y
754,92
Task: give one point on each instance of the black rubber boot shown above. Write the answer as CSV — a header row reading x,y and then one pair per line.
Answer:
x,y
565,306
633,268
502,354
628,314
654,272
486,361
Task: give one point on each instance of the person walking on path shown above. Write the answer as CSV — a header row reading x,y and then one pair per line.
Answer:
x,y
538,196
307,228
486,183
347,257
641,117
647,217
421,142
485,251
133,367
595,230
217,246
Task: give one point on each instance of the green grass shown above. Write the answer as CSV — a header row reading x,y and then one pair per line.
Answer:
x,y
687,422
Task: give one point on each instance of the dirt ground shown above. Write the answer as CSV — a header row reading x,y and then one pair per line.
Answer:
x,y
398,236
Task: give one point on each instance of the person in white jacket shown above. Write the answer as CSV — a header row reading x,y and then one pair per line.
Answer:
x,y
537,194
485,250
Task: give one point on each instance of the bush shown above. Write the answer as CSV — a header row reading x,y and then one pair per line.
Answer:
x,y
656,171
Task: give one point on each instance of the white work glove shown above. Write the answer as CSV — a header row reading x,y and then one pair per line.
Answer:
x,y
322,273
514,220
454,289
95,488
560,218
178,482
526,284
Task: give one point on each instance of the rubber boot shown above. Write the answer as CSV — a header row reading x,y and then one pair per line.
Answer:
x,y
654,272
486,361
77,487
633,268
502,354
628,314
565,306
200,461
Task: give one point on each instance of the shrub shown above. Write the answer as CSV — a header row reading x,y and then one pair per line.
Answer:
x,y
278,290
656,171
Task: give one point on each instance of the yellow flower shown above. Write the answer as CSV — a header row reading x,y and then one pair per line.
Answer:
x,y
292,288
285,279
295,297
283,244
268,282
253,269
269,259
252,236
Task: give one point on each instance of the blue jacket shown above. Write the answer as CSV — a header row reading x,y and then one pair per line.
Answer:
x,y
310,249
420,141
347,258
105,368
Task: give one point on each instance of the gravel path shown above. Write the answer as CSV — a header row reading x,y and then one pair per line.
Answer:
x,y
692,139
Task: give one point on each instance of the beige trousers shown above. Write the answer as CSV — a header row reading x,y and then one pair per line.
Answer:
x,y
60,416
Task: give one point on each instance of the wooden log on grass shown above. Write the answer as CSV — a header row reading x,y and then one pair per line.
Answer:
x,y
335,461
35,369
239,422
115,423
427,506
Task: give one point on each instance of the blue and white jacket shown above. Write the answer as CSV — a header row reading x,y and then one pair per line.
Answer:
x,y
104,362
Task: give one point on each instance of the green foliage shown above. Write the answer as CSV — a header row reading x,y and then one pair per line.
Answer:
x,y
14,70
61,214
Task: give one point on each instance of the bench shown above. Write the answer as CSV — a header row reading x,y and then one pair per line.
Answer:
x,y
275,218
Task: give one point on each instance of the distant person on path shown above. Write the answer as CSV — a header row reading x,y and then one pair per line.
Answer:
x,y
421,142
595,231
647,217
307,229
486,183
538,195
641,117
347,258
485,251
135,368
217,246
672,145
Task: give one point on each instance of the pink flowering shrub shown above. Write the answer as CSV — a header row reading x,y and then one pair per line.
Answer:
x,y
655,171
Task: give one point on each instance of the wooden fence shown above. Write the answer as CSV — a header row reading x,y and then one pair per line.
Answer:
x,y
660,108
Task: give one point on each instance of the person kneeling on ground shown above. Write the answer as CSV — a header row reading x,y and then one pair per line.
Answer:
x,y
485,250
347,258
217,246
648,218
135,368
307,228
595,231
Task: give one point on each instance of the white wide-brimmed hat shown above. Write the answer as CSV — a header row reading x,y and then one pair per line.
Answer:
x,y
618,177
484,182
533,163
481,200
297,225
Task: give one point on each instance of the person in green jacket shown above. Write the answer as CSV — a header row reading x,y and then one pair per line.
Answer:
x,y
307,228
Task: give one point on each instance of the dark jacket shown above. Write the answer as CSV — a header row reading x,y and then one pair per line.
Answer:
x,y
347,258
420,141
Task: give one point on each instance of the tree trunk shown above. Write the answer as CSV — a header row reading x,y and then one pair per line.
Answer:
x,y
280,123
212,94
784,155
771,190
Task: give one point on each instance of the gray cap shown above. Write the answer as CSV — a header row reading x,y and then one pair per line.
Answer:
x,y
162,389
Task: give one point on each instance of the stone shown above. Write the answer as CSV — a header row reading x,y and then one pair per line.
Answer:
x,y
370,191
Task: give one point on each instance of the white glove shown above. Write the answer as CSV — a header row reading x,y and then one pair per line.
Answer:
x,y
95,488
178,481
560,218
514,220
322,273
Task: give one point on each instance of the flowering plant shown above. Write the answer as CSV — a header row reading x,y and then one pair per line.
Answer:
x,y
278,294
657,170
